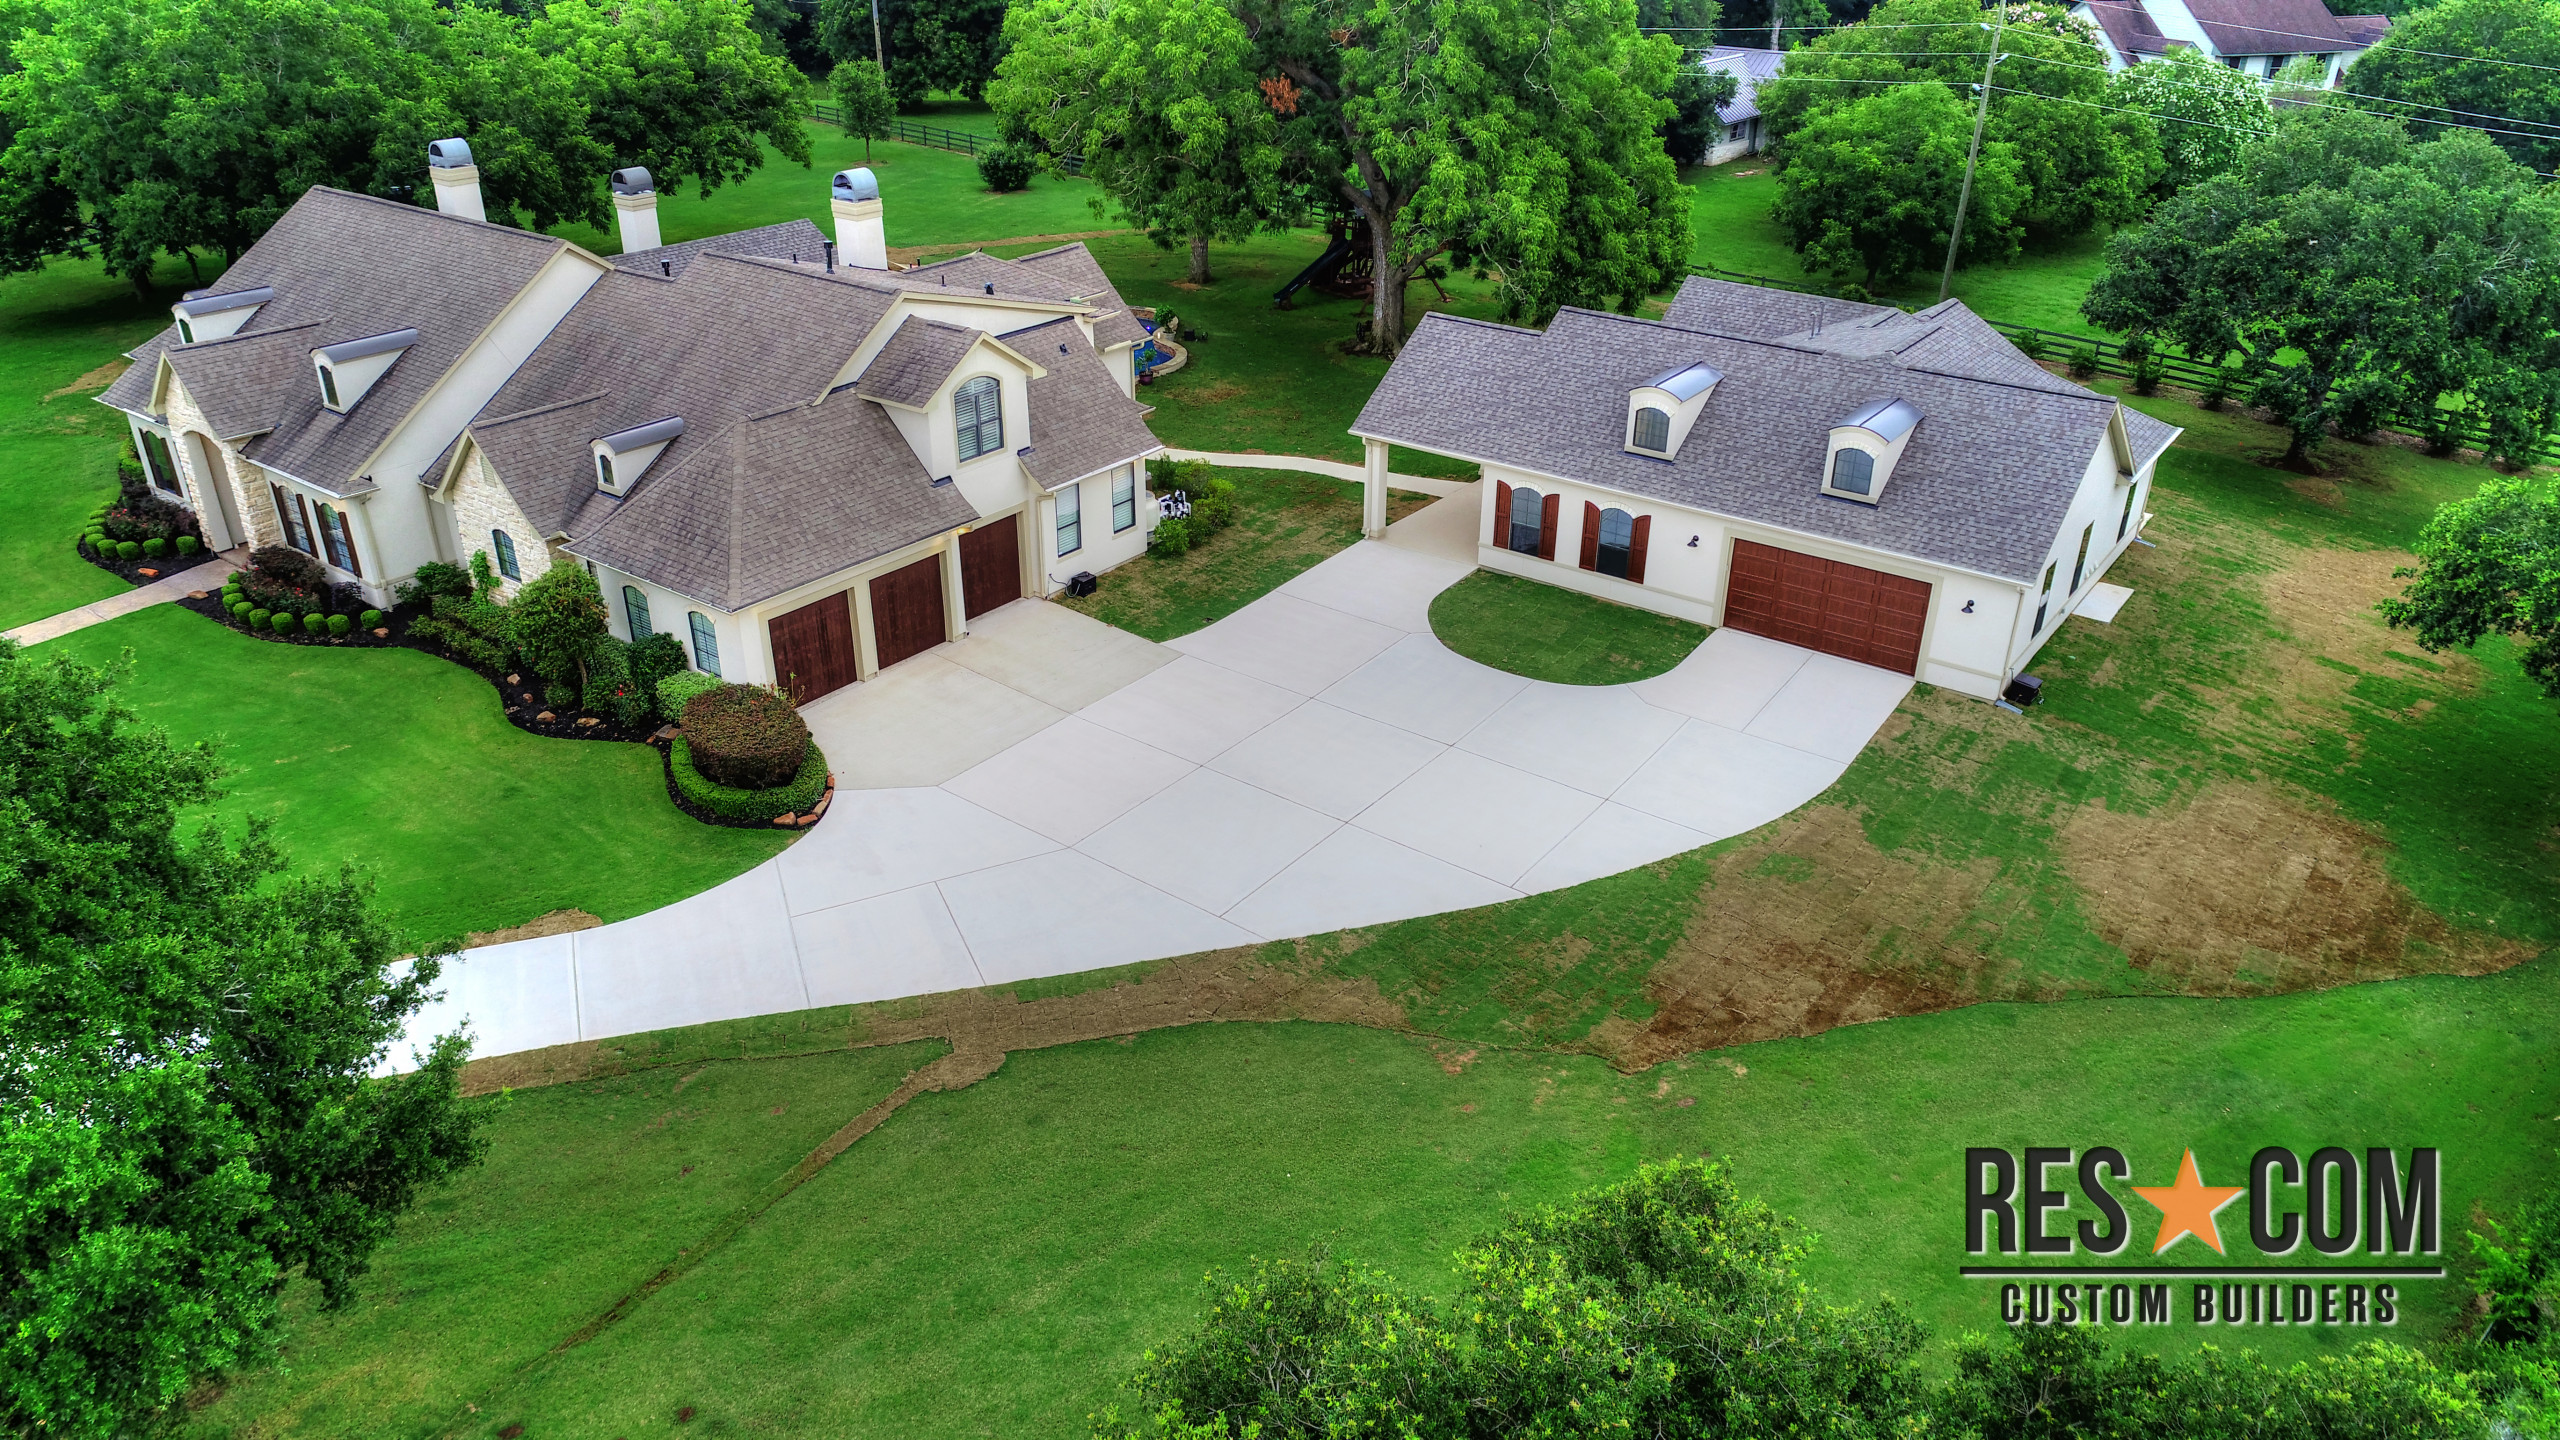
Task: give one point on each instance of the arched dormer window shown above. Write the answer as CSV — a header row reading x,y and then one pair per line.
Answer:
x,y
604,471
1864,448
1853,472
635,609
980,416
1653,429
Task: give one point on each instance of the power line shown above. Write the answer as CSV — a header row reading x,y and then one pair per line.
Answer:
x,y
2257,29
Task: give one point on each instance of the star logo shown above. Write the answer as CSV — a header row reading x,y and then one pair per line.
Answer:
x,y
2188,1207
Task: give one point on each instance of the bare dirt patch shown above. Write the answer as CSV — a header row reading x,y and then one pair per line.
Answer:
x,y
558,922
2245,891
98,379
903,256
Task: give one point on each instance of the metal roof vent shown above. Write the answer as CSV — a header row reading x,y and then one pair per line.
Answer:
x,y
632,180
857,184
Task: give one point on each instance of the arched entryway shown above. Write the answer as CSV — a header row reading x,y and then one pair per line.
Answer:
x,y
215,508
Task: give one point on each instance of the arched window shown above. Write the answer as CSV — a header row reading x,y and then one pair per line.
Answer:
x,y
706,643
604,472
506,548
635,608
155,458
338,540
1617,541
980,404
1653,430
329,386
1528,519
1853,472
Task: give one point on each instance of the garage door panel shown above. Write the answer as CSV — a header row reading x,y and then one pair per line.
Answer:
x,y
906,610
1827,605
813,647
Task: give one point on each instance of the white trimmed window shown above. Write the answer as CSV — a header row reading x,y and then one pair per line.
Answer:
x,y
1124,498
1071,520
980,409
635,609
706,643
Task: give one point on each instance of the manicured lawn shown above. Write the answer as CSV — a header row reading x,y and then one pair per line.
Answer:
x,y
1547,633
402,763
1285,522
993,1260
589,1190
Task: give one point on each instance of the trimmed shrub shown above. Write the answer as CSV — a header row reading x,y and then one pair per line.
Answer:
x,y
129,549
340,625
752,806
1172,536
653,660
611,692
286,566
259,617
431,580
560,697
370,620
746,736
2082,362
239,610
556,622
315,623
1007,167
286,623
155,547
188,544
675,691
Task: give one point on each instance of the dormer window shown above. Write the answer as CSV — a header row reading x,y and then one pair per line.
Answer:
x,y
623,456
1661,411
186,331
979,414
1865,447
349,368
212,316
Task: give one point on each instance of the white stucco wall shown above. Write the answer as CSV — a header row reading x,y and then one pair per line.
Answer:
x,y
2099,503
1103,547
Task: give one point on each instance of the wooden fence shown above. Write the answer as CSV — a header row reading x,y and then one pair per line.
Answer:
x,y
936,137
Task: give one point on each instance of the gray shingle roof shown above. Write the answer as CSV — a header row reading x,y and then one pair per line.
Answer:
x,y
1751,312
1983,486
774,502
1075,266
2129,28
1749,67
345,266
1080,422
915,362
132,389
780,242
2270,27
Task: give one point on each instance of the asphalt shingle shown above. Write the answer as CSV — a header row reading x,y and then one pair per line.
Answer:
x,y
915,362
1080,422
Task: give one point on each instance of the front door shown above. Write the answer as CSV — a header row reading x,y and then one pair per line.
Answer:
x,y
991,565
906,610
813,648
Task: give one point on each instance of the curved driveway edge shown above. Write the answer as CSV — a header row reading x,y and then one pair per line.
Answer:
x,y
1068,797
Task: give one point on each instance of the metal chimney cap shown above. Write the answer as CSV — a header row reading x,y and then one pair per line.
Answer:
x,y
632,180
448,154
857,184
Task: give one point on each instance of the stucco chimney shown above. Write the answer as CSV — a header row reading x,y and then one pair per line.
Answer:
x,y
457,179
635,204
860,240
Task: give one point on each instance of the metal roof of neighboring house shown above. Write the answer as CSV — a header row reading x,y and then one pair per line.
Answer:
x,y
775,502
2365,31
2270,27
2129,28
915,362
1983,486
346,267
779,242
1749,68
1080,422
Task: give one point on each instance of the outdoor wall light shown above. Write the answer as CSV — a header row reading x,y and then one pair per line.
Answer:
x,y
1968,607
1693,542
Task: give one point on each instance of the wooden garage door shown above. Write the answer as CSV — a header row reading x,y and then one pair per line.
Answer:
x,y
906,610
991,565
813,647
1827,605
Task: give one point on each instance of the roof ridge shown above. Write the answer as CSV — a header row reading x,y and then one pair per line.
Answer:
x,y
527,414
546,241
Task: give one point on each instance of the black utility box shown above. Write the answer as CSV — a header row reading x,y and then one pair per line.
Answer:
x,y
2023,691
1082,583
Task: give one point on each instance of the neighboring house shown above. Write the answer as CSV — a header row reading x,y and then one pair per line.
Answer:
x,y
2254,37
1742,134
1906,490
803,464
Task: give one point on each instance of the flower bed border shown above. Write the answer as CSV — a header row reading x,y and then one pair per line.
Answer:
x,y
801,821
130,571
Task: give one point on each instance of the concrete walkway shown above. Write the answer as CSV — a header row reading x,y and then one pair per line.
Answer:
x,y
1051,795
141,597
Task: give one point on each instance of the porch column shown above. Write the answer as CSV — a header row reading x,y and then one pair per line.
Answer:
x,y
955,595
1373,492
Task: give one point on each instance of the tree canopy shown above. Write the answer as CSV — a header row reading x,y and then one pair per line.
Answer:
x,y
2409,67
2083,163
189,1031
2394,273
930,45
1872,186
168,126
2490,565
2206,111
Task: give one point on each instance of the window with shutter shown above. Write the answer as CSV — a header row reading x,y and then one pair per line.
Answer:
x,y
635,608
706,643
1617,541
979,407
1528,514
505,545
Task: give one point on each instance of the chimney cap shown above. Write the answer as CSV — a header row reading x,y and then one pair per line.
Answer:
x,y
857,184
632,180
448,154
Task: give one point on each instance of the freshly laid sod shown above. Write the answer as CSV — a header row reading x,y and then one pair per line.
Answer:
x,y
402,763
1549,633
589,1190
994,1260
1286,521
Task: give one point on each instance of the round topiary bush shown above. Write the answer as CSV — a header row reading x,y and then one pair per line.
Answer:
x,y
370,620
258,618
340,625
1006,167
129,549
315,623
287,623
188,545
155,547
745,736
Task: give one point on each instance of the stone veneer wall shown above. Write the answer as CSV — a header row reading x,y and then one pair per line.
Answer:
x,y
480,505
249,498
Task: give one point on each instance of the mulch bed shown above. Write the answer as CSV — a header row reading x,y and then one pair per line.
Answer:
x,y
667,762
146,570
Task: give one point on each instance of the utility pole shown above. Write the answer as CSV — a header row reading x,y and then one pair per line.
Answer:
x,y
879,55
1981,112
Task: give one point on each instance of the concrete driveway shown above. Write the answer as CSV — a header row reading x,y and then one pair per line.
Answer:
x,y
1053,795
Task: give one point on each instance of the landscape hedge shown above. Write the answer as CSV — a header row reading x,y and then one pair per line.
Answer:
x,y
744,806
746,736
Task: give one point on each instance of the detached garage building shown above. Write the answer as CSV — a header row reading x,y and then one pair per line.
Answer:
x,y
1904,490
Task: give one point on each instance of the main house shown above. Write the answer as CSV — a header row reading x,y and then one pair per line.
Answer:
x,y
1905,490
804,464
2254,37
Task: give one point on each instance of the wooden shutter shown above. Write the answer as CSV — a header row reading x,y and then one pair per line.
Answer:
x,y
1501,516
1635,549
1547,514
310,541
1590,536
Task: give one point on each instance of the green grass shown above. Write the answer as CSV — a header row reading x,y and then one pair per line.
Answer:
x,y
402,763
928,197
1549,633
589,1190
992,1261
1286,521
